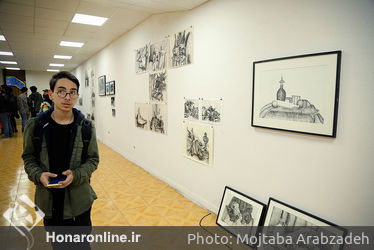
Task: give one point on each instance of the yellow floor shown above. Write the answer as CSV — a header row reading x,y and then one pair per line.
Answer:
x,y
127,195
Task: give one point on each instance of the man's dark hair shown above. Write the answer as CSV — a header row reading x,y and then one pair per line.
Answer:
x,y
61,75
33,89
24,89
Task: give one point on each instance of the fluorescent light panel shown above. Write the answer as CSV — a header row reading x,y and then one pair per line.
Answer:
x,y
53,70
8,62
88,19
6,53
2,38
12,68
71,44
61,57
56,64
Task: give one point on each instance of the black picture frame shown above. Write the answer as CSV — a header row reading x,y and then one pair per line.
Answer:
x,y
112,87
248,216
296,221
107,88
308,103
101,84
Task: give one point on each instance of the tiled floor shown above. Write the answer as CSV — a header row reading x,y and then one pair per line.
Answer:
x,y
128,195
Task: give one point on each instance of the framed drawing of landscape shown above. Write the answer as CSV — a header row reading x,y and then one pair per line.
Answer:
x,y
297,93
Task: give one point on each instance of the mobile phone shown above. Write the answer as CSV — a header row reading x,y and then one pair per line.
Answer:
x,y
54,183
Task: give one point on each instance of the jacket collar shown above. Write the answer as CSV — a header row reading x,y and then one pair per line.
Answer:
x,y
45,116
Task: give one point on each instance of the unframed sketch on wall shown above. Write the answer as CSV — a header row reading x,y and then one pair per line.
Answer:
x,y
113,101
159,118
158,56
191,109
158,87
113,112
198,142
181,48
142,115
141,59
211,110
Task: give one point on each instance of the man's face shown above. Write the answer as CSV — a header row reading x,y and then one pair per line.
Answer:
x,y
64,102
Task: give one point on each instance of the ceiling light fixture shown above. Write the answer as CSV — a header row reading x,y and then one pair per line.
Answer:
x,y
2,38
6,53
61,57
8,62
56,64
13,68
71,44
53,70
88,19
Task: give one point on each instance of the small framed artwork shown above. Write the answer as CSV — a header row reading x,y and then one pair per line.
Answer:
x,y
112,87
107,88
298,93
102,82
240,214
298,225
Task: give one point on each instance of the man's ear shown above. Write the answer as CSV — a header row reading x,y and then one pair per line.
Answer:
x,y
50,94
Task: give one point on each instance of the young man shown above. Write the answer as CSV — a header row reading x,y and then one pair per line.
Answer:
x,y
58,156
35,100
23,107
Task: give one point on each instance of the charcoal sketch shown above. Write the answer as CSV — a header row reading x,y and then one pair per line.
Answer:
x,y
141,59
211,110
158,122
290,108
157,87
80,101
113,101
86,79
191,109
142,115
198,143
158,56
181,48
113,112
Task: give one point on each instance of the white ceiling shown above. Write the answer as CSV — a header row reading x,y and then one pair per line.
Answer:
x,y
34,28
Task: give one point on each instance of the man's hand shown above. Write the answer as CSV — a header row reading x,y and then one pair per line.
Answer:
x,y
44,178
67,181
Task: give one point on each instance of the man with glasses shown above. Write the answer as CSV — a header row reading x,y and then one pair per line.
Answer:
x,y
57,155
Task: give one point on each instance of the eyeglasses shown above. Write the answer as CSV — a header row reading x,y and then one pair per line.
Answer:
x,y
62,94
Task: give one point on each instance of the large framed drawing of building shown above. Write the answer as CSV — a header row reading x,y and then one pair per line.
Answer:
x,y
298,93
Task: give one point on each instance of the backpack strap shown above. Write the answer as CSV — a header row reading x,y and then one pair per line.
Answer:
x,y
86,137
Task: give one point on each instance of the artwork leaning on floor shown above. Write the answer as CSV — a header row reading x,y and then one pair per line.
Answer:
x,y
191,109
290,222
141,59
211,110
298,93
142,115
198,142
181,48
158,87
159,118
239,213
158,55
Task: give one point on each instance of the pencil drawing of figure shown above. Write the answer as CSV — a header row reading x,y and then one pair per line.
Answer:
x,y
181,48
159,118
158,55
291,108
157,87
191,109
141,59
142,115
211,110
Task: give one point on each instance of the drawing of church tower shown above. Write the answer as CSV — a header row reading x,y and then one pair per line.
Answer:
x,y
281,93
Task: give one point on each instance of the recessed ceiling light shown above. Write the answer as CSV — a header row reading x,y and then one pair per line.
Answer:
x,y
8,62
2,38
56,64
88,19
6,53
13,68
61,57
71,44
53,70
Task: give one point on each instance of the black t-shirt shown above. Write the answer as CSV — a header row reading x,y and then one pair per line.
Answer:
x,y
59,162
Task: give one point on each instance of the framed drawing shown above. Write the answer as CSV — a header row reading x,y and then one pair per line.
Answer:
x,y
298,93
107,88
112,87
102,82
298,225
239,213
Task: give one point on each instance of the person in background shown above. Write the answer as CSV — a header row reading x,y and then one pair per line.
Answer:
x,y
47,102
46,97
13,112
5,112
35,100
23,108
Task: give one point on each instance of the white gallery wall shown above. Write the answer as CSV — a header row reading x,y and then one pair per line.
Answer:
x,y
40,79
328,177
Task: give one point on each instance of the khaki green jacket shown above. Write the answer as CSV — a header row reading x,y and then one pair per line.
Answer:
x,y
79,195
